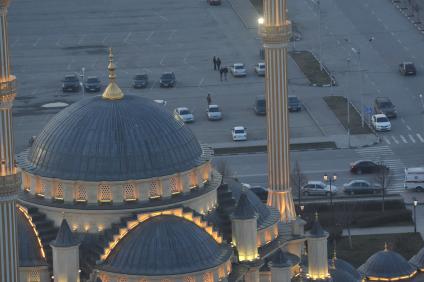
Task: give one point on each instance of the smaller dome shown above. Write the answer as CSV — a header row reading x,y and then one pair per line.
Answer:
x,y
166,245
339,275
387,265
344,266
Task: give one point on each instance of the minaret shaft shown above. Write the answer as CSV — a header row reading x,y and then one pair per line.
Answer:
x,y
275,32
10,177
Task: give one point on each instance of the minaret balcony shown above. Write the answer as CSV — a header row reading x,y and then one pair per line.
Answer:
x,y
8,86
275,34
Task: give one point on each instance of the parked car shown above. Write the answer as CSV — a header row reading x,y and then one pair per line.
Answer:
x,y
140,80
167,79
383,105
238,70
294,104
260,69
214,2
414,178
381,123
367,166
213,112
318,188
71,82
260,105
185,114
239,133
161,102
361,187
407,68
92,84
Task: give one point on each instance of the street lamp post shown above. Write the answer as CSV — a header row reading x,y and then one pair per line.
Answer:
x,y
319,34
358,52
347,101
82,80
330,181
415,202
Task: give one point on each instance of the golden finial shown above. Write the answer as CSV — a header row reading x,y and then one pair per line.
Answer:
x,y
316,216
385,247
112,91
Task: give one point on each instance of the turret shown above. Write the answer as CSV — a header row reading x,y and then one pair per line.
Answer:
x,y
280,267
317,251
65,255
244,229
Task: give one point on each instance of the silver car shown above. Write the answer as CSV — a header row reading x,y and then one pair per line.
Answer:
x,y
184,114
213,112
318,188
361,187
260,69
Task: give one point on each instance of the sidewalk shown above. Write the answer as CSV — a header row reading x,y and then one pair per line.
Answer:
x,y
380,230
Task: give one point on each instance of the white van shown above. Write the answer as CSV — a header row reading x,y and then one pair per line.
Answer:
x,y
414,178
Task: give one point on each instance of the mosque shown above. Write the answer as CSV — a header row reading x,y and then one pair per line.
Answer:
x,y
117,189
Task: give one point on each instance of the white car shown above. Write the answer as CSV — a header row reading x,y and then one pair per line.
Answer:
x,y
213,112
318,188
380,122
239,133
260,69
184,114
161,102
238,69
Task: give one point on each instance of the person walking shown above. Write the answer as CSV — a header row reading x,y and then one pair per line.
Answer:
x,y
214,63
209,99
218,63
221,71
225,70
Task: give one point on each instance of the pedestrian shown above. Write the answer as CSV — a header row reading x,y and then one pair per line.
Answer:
x,y
221,71
218,63
209,99
214,63
225,69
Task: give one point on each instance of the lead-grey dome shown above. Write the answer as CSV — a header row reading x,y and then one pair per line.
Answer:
x,y
96,139
166,245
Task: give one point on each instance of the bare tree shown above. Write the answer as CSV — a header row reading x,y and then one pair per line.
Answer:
x,y
224,169
298,179
383,177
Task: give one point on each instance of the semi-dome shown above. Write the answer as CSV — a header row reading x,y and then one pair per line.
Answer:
x,y
98,139
166,245
387,265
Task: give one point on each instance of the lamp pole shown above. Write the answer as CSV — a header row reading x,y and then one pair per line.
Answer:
x,y
319,34
330,181
82,80
347,102
358,52
415,202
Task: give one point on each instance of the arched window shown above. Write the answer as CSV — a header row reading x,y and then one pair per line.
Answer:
x,y
58,191
40,187
221,272
129,193
34,276
192,176
81,194
27,182
104,193
208,277
155,191
175,186
189,279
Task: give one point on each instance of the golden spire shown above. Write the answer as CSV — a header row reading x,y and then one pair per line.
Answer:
x,y
112,91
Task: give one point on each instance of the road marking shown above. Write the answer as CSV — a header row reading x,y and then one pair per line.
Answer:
x,y
412,138
403,139
409,128
81,39
400,42
162,17
161,60
387,140
105,38
127,37
379,20
395,140
150,36
201,82
36,42
420,137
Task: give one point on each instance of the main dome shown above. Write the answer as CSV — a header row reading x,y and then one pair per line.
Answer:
x,y
97,139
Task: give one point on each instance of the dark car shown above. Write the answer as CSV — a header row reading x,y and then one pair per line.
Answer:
x,y
366,166
92,84
361,187
261,192
167,79
71,83
407,68
260,105
214,2
294,104
383,105
140,80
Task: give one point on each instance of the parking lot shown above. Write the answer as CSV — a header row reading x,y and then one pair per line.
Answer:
x,y
151,37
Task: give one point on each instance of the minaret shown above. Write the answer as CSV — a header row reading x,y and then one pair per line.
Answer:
x,y
10,178
275,32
